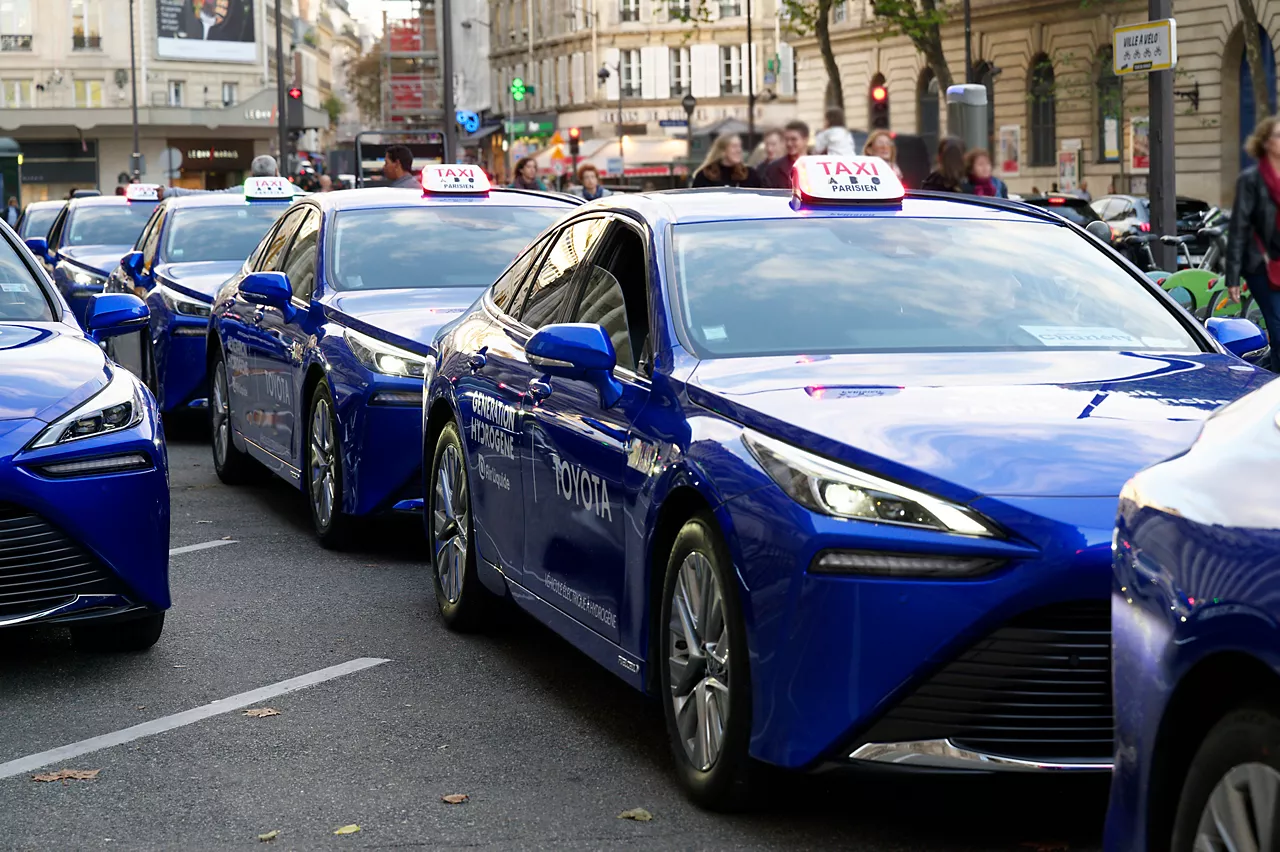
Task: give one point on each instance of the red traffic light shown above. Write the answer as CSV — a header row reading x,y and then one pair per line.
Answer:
x,y
574,133
295,93
879,94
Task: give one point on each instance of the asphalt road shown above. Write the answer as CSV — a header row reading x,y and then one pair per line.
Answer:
x,y
549,747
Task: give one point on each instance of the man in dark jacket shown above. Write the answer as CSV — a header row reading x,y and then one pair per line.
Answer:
x,y
776,174
1252,239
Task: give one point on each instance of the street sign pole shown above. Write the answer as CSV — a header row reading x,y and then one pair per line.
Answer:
x,y
1161,179
446,44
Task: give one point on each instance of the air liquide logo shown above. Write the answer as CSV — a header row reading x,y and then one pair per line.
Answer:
x,y
582,487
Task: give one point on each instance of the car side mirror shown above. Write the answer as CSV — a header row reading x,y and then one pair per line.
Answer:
x,y
111,314
271,289
133,263
1237,336
39,247
1100,229
577,350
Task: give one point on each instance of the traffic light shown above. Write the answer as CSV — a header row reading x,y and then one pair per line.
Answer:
x,y
294,117
518,89
879,106
575,138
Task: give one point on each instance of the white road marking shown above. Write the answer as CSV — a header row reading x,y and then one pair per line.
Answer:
x,y
32,762
204,545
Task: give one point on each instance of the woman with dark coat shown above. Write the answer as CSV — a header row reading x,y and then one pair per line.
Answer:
x,y
1253,242
949,175
724,165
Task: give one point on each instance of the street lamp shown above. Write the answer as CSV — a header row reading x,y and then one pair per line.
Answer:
x,y
133,81
690,103
603,75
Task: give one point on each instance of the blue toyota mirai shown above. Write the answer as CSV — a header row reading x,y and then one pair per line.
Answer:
x,y
87,239
38,217
318,346
191,246
84,494
833,474
1196,613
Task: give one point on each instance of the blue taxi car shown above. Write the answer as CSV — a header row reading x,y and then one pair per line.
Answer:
x,y
84,494
834,474
88,238
1196,612
318,346
191,246
38,217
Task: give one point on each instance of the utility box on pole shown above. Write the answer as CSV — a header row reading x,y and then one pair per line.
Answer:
x,y
967,114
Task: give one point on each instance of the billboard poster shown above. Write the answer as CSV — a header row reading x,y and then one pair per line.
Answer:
x,y
405,36
1068,170
1010,146
1139,144
204,30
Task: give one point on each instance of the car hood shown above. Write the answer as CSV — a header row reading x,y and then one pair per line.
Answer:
x,y
201,279
997,424
45,369
102,259
407,317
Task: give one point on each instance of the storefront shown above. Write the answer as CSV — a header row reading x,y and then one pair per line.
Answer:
x,y
52,169
208,164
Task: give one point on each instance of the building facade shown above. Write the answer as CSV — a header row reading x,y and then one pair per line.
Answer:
x,y
1047,67
655,54
206,98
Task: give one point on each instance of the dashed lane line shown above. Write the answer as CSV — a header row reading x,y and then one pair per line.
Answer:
x,y
204,545
33,762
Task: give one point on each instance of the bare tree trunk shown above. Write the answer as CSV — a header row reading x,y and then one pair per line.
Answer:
x,y
822,30
1253,51
930,44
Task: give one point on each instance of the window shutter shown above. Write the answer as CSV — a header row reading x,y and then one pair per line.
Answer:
x,y
750,66
660,69
562,80
648,75
704,60
577,80
786,71
613,85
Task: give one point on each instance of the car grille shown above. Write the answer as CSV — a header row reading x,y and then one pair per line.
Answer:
x,y
1038,688
40,567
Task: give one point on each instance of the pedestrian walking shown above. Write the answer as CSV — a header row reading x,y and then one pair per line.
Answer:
x,y
589,180
527,175
1253,243
979,179
834,139
326,183
880,144
949,174
776,174
12,212
397,168
724,165
1083,192
769,149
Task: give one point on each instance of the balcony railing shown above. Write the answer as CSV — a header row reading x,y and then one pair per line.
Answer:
x,y
86,42
15,42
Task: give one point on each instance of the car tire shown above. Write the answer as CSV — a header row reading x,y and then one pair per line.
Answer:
x,y
462,599
132,636
322,472
715,774
233,466
1237,764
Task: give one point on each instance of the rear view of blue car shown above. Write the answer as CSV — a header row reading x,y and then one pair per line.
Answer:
x,y
1196,613
84,496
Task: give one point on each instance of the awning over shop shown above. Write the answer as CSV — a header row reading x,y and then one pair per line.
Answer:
x,y
480,135
642,156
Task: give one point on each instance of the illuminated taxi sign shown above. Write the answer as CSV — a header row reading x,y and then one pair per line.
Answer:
x,y
845,180
264,188
142,192
454,179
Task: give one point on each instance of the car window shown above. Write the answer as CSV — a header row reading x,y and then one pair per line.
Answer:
x,y
301,263
55,230
106,225
505,288
835,285
615,294
1072,210
152,240
217,233
602,304
551,283
437,245
21,296
37,222
276,245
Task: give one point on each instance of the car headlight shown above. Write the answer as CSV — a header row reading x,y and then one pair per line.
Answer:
x,y
385,358
182,304
80,276
117,406
844,492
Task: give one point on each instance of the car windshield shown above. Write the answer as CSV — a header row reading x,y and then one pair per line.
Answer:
x,y
38,221
218,233
1078,212
106,225
21,296
464,245
893,284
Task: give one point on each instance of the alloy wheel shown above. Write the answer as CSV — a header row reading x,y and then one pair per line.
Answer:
x,y
699,661
450,522
322,463
221,415
1241,811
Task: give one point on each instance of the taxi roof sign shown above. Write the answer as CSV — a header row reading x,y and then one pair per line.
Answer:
x,y
454,179
269,187
845,180
142,192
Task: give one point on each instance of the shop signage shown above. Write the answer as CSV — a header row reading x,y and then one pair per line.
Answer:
x,y
204,155
1146,47
259,115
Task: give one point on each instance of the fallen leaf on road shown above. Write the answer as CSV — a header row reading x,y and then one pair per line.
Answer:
x,y
179,667
65,775
637,814
269,836
204,522
454,798
348,829
260,712
226,538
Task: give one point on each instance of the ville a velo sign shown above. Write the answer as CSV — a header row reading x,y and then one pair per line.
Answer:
x,y
1146,47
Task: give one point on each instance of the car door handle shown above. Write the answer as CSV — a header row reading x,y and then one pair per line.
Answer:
x,y
539,390
477,360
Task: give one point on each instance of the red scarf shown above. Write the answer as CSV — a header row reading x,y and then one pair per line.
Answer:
x,y
1271,178
984,186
